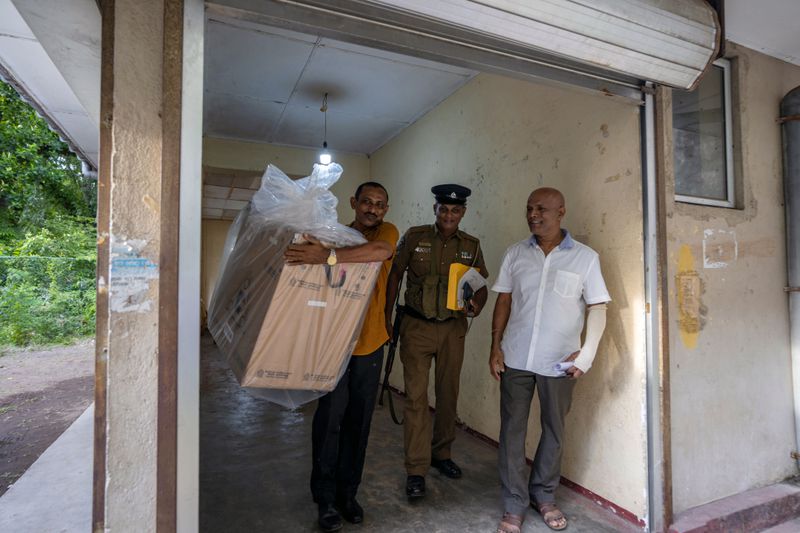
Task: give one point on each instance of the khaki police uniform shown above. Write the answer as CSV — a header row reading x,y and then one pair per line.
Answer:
x,y
431,331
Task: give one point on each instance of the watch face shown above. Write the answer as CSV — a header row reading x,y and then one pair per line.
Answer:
x,y
332,258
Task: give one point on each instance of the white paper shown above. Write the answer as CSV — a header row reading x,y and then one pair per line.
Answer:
x,y
563,366
475,280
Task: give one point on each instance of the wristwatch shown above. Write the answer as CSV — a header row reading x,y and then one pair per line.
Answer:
x,y
332,257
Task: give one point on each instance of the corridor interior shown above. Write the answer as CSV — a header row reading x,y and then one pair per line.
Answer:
x,y
255,464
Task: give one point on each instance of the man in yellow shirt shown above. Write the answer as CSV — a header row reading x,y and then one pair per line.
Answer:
x,y
341,423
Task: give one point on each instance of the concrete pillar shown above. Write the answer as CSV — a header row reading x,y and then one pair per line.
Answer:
x,y
148,228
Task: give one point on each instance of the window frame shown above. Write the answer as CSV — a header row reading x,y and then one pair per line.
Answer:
x,y
730,200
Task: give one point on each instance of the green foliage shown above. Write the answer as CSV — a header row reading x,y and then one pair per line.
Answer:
x,y
47,232
40,179
47,287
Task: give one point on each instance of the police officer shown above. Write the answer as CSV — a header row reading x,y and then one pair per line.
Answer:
x,y
430,331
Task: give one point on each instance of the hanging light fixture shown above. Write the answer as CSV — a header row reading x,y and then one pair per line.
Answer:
x,y
325,156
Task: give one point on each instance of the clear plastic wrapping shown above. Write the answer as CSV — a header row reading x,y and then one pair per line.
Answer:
x,y
288,331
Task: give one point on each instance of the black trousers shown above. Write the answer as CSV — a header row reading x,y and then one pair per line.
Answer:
x,y
340,430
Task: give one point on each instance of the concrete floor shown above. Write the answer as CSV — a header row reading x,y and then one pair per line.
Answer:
x,y
255,462
55,493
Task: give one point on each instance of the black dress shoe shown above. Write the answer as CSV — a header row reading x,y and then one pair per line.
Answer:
x,y
447,467
351,510
415,487
329,518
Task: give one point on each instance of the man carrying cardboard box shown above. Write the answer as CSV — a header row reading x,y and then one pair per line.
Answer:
x,y
340,429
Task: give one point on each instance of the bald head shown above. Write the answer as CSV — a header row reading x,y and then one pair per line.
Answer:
x,y
544,213
549,192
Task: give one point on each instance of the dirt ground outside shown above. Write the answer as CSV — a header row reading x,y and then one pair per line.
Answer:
x,y
42,392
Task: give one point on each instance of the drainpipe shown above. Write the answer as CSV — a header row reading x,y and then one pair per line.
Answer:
x,y
790,119
88,171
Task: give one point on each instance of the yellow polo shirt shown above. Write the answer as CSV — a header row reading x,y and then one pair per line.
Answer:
x,y
373,332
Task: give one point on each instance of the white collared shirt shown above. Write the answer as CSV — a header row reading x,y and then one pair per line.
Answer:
x,y
549,295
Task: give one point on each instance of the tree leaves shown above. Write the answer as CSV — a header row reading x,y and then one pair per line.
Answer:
x,y
47,232
39,177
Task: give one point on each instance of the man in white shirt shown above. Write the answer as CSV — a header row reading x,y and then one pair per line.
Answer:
x,y
545,286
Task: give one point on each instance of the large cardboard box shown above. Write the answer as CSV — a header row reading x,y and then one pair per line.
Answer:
x,y
286,327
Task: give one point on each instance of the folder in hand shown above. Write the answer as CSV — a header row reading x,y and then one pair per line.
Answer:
x,y
460,277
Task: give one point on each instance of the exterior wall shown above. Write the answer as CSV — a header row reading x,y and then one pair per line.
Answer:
x,y
241,155
503,138
732,417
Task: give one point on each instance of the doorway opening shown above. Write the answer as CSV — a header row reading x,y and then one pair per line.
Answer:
x,y
410,123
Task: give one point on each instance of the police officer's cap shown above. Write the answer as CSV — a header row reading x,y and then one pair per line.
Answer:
x,y
451,194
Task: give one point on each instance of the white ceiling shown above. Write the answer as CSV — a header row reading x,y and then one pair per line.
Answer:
x,y
265,84
51,49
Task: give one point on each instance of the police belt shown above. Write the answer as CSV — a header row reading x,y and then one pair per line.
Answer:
x,y
410,311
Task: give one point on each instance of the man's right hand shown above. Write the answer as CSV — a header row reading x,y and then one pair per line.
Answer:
x,y
496,363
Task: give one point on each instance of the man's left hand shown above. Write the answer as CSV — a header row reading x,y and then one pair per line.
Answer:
x,y
310,253
573,372
474,307
475,304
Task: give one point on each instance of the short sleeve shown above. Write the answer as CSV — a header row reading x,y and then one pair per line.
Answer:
x,y
504,283
402,254
594,286
480,264
388,233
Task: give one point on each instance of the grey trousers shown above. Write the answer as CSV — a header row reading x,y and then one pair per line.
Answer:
x,y
516,394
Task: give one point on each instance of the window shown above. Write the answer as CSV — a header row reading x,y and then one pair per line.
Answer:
x,y
702,140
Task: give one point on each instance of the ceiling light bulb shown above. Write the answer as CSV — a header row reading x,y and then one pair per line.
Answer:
x,y
325,158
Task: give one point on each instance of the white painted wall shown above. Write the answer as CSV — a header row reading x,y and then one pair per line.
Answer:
x,y
503,138
732,418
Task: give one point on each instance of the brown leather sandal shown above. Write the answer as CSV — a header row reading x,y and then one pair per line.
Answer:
x,y
552,516
510,523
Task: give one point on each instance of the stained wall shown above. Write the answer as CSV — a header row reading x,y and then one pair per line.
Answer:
x,y
503,138
732,414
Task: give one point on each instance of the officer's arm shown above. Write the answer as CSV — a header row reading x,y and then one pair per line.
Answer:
x,y
480,265
478,300
313,253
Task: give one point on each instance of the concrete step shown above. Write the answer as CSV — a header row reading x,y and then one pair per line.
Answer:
x,y
753,510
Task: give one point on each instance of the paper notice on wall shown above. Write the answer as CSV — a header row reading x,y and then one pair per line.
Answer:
x,y
130,277
720,248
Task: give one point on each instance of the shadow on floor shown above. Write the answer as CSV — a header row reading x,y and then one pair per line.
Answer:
x,y
255,463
